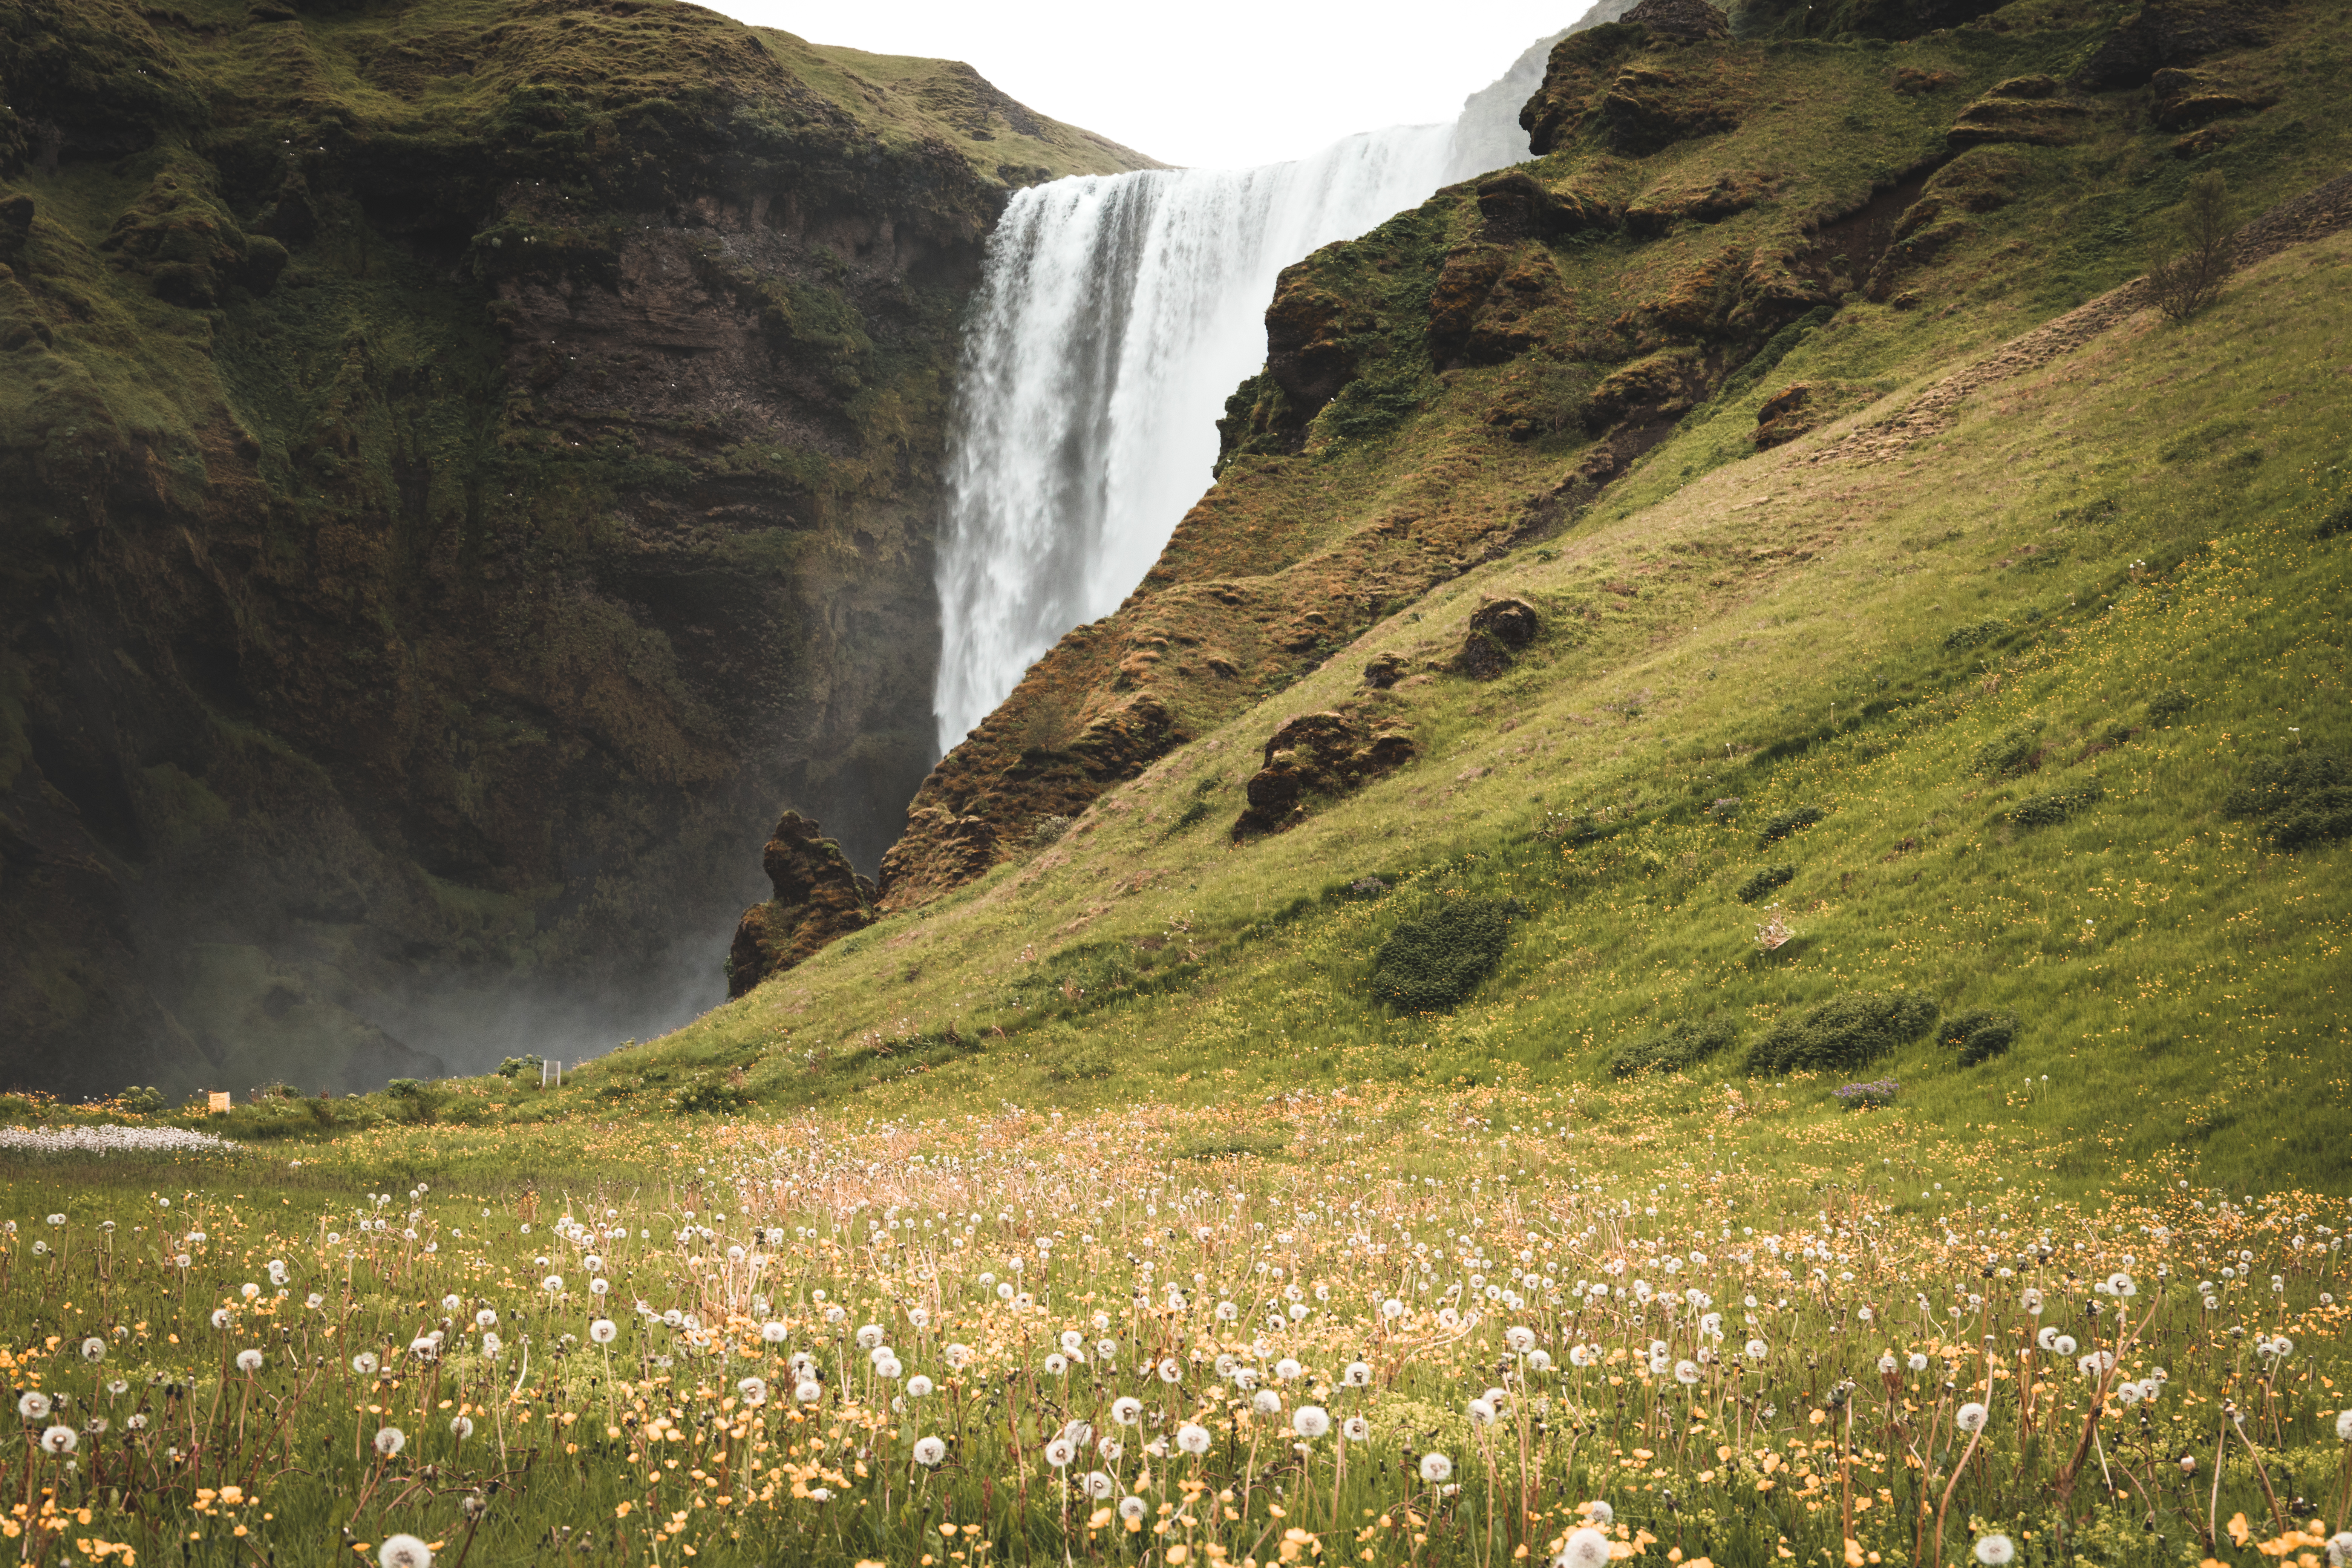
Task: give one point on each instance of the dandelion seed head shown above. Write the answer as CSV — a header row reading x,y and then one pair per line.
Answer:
x,y
1585,1548
405,1552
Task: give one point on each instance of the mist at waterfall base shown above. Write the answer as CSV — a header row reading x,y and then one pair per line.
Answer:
x,y
1116,315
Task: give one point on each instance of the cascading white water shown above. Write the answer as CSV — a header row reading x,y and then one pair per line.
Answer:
x,y
1115,315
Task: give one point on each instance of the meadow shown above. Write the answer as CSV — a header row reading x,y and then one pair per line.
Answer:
x,y
1464,1326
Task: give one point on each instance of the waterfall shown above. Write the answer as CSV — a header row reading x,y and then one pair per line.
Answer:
x,y
1115,315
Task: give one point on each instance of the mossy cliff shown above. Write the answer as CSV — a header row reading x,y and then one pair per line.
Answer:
x,y
1708,195
462,466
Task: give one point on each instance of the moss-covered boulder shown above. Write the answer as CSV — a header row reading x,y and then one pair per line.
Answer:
x,y
1315,755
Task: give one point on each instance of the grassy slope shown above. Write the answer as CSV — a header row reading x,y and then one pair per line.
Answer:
x,y
2195,1005
1409,475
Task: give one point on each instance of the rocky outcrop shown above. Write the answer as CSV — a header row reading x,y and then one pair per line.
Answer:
x,y
818,897
1312,756
506,469
1602,81
1656,386
1515,205
1027,761
1781,416
1685,21
1728,193
2187,99
1308,352
1648,108
2032,109
1464,283
1499,629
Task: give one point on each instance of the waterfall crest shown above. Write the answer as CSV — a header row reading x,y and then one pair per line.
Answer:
x,y
1115,315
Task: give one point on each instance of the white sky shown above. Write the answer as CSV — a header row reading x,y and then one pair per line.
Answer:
x,y
1206,82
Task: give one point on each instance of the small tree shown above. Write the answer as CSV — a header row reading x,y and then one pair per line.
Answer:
x,y
2193,258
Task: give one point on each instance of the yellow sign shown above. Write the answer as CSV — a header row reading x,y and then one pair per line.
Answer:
x,y
220,1102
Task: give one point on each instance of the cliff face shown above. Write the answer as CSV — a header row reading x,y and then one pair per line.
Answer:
x,y
461,470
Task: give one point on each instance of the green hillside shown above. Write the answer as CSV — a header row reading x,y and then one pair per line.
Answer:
x,y
2020,669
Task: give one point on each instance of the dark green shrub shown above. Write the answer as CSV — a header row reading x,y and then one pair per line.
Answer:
x,y
1436,958
2304,798
2167,705
274,1090
1841,1035
709,1092
1789,822
1763,882
518,1067
2056,807
2338,522
1073,1060
1675,1048
413,1099
139,1102
1979,1035
1976,636
2011,751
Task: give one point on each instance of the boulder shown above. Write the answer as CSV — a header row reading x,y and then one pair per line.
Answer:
x,y
1498,628
1325,754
